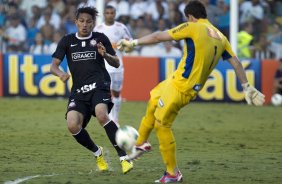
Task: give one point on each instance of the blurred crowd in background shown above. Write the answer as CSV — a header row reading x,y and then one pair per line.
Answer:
x,y
36,26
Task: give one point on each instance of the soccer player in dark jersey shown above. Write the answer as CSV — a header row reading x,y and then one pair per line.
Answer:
x,y
85,52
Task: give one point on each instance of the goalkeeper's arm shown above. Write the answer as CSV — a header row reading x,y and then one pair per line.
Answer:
x,y
156,37
252,95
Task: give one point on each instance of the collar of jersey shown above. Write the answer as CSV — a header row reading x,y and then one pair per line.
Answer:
x,y
203,20
83,38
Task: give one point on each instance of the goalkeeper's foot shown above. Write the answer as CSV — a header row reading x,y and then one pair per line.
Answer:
x,y
167,178
101,162
139,150
126,166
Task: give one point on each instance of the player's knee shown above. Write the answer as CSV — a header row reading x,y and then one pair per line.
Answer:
x,y
102,117
115,94
161,124
73,126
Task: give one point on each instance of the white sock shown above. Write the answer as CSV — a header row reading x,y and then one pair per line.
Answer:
x,y
98,152
114,115
123,158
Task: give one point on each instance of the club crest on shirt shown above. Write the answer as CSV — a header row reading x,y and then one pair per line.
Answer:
x,y
161,103
197,87
93,42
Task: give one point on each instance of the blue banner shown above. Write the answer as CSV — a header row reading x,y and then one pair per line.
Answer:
x,y
29,75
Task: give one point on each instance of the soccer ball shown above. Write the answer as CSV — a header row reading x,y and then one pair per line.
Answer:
x,y
126,137
276,99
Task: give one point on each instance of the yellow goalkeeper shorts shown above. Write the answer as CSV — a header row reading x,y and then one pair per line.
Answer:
x,y
169,100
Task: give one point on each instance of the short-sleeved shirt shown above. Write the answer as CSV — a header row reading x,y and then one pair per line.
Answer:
x,y
114,32
86,65
204,46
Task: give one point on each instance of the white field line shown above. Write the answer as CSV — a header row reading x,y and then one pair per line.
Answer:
x,y
19,180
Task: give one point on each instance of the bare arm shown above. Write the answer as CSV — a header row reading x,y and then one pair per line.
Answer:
x,y
239,70
155,37
252,95
112,60
55,70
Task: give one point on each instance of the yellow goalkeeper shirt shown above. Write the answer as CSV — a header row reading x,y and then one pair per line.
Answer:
x,y
204,46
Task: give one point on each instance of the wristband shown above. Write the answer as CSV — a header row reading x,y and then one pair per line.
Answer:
x,y
245,85
134,42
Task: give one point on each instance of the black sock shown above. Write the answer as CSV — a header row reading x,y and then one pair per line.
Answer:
x,y
111,129
84,139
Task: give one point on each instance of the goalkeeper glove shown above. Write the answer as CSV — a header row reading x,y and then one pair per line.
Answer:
x,y
126,45
252,95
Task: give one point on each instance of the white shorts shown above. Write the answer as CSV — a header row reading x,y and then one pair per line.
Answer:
x,y
117,80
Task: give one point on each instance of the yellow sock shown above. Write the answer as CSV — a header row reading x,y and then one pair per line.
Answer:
x,y
147,123
167,147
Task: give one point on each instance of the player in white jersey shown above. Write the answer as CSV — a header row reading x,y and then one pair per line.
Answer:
x,y
114,31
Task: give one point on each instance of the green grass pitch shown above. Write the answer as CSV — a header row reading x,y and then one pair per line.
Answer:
x,y
217,143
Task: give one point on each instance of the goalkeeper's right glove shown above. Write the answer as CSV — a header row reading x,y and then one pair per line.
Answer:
x,y
252,95
126,45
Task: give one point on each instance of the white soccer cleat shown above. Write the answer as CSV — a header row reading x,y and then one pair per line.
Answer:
x,y
138,151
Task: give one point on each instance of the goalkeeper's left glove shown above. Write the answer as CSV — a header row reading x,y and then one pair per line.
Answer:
x,y
252,95
126,45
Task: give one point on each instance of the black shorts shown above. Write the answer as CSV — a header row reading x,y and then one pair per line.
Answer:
x,y
87,106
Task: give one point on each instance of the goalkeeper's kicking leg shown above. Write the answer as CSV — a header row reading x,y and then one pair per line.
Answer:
x,y
163,107
147,124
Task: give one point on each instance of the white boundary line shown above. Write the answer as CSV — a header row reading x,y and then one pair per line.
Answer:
x,y
19,180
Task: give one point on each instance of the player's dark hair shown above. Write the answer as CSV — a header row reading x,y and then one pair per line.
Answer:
x,y
196,9
110,7
89,10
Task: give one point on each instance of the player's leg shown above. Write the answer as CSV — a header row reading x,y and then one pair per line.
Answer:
x,y
116,86
102,109
77,118
147,122
170,102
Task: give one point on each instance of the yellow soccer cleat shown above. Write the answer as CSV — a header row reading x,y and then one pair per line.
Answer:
x,y
126,166
101,162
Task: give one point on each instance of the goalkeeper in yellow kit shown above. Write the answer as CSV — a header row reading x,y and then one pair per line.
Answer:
x,y
204,46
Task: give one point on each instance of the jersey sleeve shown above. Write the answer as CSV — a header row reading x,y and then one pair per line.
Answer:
x,y
61,49
228,52
181,31
126,34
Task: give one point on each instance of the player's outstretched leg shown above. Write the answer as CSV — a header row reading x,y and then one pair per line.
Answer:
x,y
111,129
145,129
